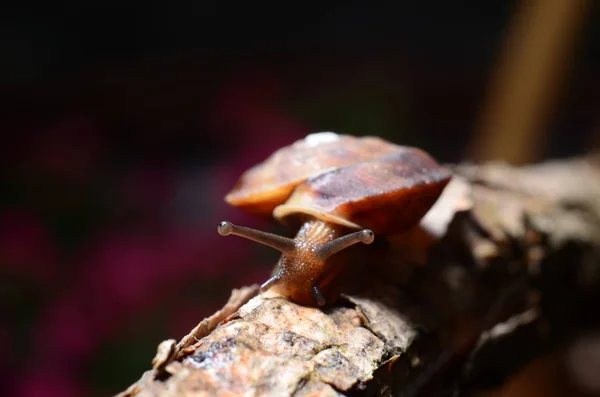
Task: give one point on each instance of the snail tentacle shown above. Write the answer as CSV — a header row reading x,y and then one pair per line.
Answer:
x,y
364,236
280,243
318,296
270,282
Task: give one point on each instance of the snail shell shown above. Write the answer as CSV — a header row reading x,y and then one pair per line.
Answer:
x,y
331,185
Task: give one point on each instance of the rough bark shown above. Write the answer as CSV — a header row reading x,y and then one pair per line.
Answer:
x,y
505,266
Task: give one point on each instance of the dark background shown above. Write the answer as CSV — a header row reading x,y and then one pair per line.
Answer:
x,y
124,125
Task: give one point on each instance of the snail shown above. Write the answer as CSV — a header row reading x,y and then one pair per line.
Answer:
x,y
340,190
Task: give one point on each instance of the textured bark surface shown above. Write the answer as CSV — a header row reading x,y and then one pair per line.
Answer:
x,y
509,258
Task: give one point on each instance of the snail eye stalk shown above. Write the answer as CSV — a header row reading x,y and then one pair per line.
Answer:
x,y
364,236
280,243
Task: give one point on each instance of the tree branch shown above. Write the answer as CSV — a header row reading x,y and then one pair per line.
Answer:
x,y
508,256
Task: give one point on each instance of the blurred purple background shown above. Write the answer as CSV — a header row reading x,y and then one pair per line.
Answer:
x,y
124,127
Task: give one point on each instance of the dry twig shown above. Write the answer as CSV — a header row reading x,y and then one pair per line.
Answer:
x,y
514,262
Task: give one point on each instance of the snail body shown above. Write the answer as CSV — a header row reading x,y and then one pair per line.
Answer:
x,y
339,190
